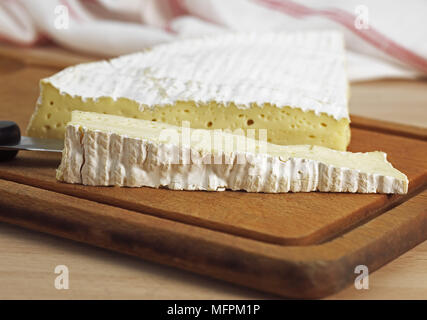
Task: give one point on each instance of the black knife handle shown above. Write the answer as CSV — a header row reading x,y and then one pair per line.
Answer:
x,y
9,135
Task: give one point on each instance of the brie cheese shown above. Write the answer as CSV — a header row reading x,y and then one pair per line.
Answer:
x,y
106,150
292,84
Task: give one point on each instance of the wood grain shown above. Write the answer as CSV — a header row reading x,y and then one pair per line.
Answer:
x,y
275,218
389,127
25,98
292,271
395,100
28,260
293,218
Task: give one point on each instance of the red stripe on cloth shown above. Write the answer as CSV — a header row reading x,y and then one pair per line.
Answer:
x,y
177,8
346,19
187,11
73,13
40,40
168,28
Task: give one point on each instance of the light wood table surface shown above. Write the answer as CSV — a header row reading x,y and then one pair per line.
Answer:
x,y
28,259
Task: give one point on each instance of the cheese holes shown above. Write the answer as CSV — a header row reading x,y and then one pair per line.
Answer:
x,y
250,122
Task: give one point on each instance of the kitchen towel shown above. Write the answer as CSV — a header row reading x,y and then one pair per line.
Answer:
x,y
384,39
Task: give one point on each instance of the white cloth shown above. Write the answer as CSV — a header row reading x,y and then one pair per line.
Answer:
x,y
385,39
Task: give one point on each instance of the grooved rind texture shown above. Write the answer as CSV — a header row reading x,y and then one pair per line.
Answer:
x,y
104,159
299,70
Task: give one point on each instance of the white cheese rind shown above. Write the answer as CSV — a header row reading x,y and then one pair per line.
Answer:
x,y
98,158
299,70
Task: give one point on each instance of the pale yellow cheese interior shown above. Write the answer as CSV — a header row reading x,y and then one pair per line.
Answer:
x,y
368,162
285,126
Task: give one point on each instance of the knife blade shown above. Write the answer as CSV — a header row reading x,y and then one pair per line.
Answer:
x,y
36,144
11,142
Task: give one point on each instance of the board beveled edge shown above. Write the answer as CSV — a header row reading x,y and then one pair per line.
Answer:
x,y
316,238
388,127
290,271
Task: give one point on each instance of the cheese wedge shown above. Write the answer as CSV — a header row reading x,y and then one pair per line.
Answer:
x,y
105,150
293,85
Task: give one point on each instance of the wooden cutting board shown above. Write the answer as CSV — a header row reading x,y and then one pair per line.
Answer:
x,y
296,245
